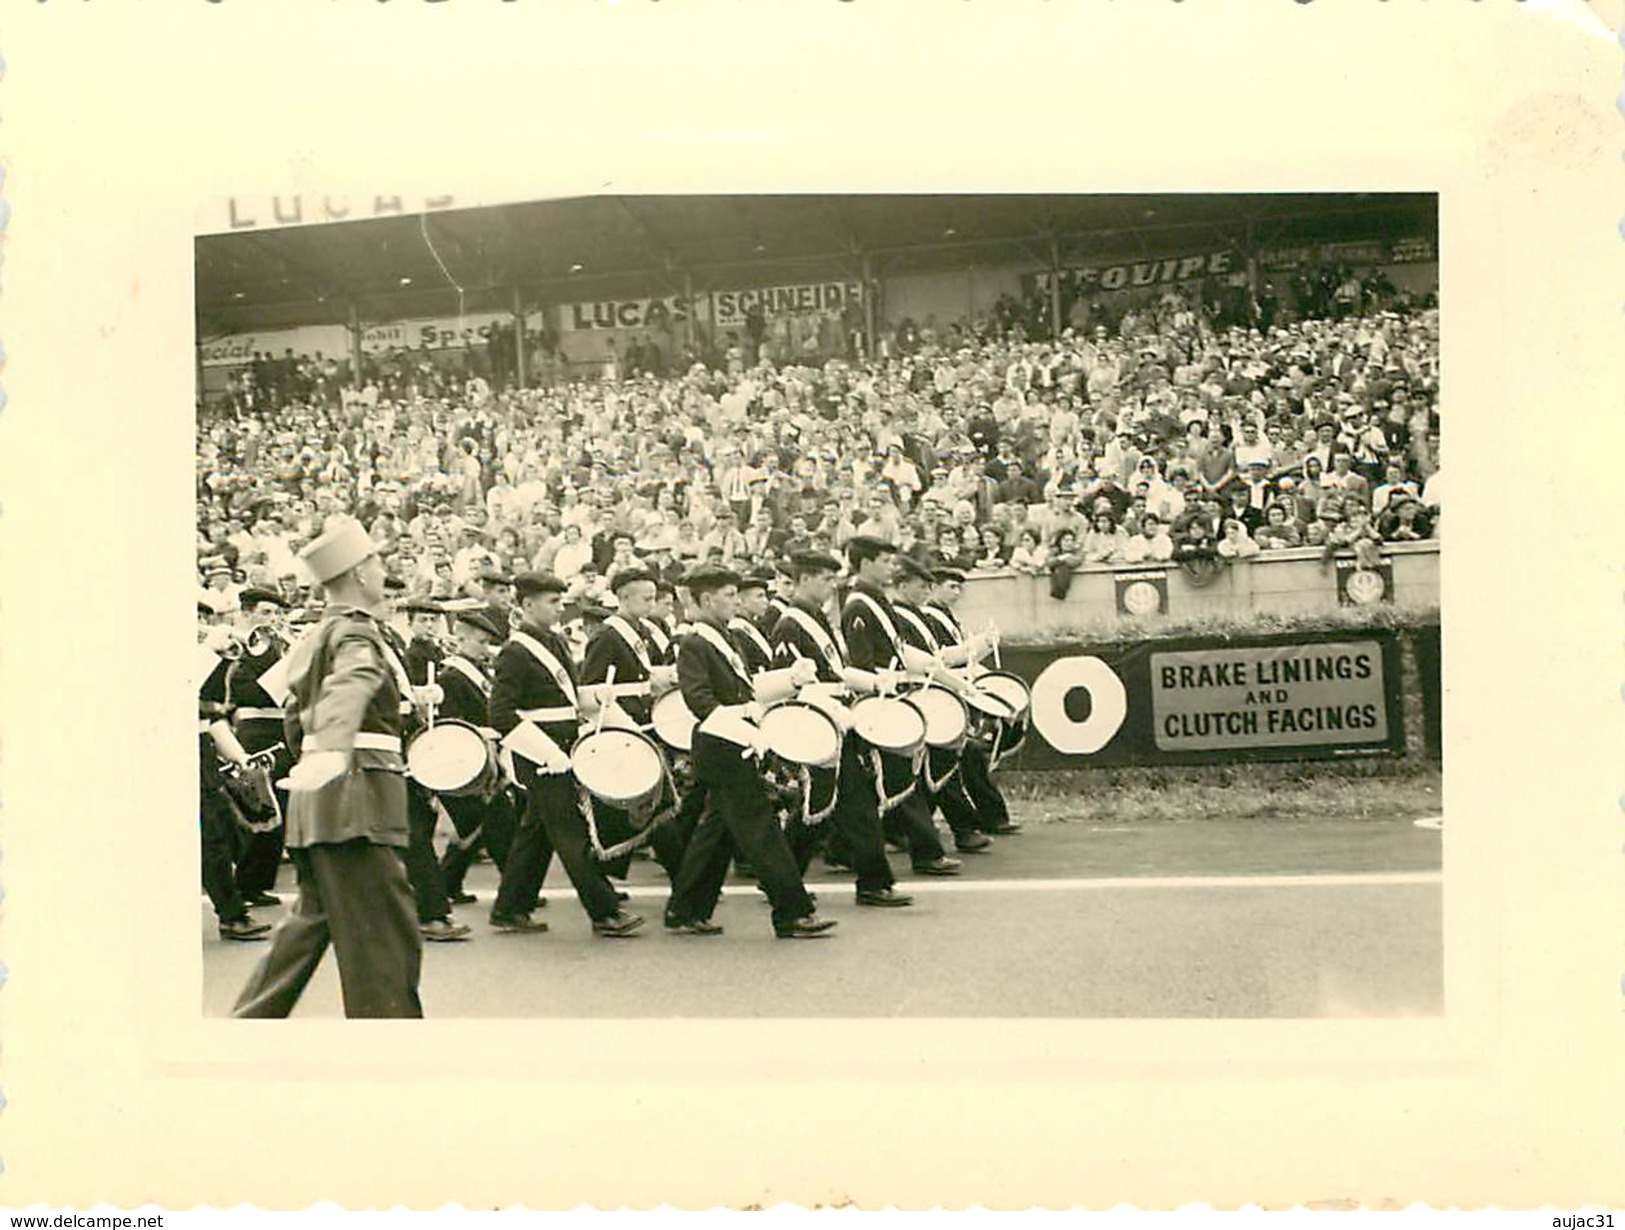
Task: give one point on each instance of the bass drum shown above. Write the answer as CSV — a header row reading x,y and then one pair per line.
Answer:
x,y
673,722
452,758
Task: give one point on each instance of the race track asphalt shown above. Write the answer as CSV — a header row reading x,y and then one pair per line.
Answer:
x,y
1297,918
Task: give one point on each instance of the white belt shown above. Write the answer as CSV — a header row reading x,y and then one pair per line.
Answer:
x,y
560,713
408,707
203,725
249,715
364,741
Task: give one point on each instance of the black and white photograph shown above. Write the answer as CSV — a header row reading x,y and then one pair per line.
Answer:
x,y
653,605
1034,599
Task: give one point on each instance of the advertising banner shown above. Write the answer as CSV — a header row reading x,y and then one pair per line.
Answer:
x,y
1137,275
1358,586
1142,593
729,307
1212,700
656,313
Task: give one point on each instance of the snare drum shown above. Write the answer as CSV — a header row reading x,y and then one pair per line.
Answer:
x,y
673,722
620,768
946,719
890,724
802,734
1011,689
988,716
452,758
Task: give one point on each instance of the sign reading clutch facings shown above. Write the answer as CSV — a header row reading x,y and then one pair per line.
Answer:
x,y
1204,700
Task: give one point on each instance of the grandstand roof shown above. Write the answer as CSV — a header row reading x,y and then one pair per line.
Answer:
x,y
602,247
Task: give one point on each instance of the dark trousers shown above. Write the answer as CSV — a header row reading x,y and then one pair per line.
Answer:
x,y
910,823
422,867
991,810
740,818
355,896
259,857
553,824
670,839
951,799
217,831
853,830
480,825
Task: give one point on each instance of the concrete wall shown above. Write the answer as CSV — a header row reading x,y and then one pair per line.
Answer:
x,y
1276,583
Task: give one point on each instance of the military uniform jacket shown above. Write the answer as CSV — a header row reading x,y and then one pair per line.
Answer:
x,y
345,696
623,644
943,624
806,633
870,626
524,682
913,628
662,644
467,690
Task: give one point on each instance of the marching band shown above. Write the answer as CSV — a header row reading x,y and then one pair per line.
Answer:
x,y
771,726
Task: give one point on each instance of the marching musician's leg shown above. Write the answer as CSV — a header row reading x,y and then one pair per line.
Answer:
x,y
296,950
500,817
560,807
468,819
955,805
925,848
670,840
216,833
748,812
525,869
422,868
993,813
375,936
702,868
857,820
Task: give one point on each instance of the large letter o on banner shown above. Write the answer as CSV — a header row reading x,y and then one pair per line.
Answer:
x,y
1108,705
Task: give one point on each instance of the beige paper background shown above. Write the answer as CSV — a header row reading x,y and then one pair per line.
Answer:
x,y
120,120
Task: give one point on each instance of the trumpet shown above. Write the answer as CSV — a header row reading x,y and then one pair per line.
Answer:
x,y
255,642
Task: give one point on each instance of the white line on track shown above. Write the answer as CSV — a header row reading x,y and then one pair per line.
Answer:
x,y
1372,879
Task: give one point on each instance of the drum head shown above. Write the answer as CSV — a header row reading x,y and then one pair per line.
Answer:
x,y
618,766
1008,688
988,705
802,734
945,719
888,723
447,757
674,722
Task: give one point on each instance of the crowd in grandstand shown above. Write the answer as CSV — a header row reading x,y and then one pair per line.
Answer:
x,y
1168,432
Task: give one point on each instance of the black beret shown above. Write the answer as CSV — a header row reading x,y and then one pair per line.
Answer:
x,y
909,568
480,618
806,563
629,575
418,606
753,580
949,574
528,583
706,579
256,594
394,584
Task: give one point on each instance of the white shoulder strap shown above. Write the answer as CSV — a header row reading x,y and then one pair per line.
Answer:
x,y
740,624
468,671
634,642
821,638
549,660
719,642
920,626
880,615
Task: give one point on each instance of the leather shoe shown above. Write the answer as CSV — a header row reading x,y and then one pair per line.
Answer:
x,y
700,926
811,927
261,901
1005,829
243,929
516,922
617,924
884,897
443,929
461,898
943,866
621,895
973,843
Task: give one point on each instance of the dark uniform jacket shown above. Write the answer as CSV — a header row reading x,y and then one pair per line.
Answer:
x,y
467,688
753,647
707,678
662,644
524,683
257,717
913,628
871,637
623,644
944,624
346,696
792,638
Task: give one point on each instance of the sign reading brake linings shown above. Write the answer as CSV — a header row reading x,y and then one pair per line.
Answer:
x,y
1268,696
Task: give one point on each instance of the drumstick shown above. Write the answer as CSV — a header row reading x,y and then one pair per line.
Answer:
x,y
606,697
431,684
991,627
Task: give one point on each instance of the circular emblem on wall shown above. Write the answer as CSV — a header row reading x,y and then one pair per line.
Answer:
x,y
1142,598
1365,586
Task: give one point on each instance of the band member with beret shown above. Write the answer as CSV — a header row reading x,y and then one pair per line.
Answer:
x,y
720,692
427,623
536,710
346,817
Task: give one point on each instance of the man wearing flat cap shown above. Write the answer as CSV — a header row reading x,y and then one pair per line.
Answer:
x,y
346,819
